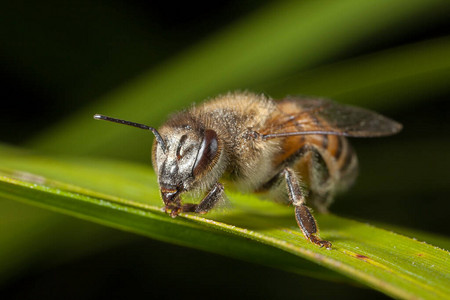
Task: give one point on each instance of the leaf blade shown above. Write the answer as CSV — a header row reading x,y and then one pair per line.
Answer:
x,y
150,221
392,263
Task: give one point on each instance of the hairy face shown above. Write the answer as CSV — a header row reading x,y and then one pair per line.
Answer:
x,y
175,165
189,156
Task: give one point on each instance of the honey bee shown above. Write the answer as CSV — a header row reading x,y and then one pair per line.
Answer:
x,y
295,150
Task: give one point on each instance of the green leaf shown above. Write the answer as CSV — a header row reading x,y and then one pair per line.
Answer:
x,y
126,196
386,79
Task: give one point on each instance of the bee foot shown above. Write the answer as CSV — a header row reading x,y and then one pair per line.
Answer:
x,y
172,211
322,243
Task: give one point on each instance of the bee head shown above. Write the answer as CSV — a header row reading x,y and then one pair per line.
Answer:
x,y
185,161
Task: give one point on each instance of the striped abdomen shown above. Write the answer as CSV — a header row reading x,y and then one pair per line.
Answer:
x,y
326,163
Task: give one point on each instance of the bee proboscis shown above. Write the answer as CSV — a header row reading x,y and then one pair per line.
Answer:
x,y
295,149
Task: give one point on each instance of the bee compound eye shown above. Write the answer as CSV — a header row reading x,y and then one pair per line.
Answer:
x,y
207,153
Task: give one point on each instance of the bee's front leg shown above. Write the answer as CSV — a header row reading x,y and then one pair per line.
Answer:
x,y
305,219
173,208
207,202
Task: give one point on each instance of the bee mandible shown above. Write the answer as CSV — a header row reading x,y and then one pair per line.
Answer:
x,y
295,150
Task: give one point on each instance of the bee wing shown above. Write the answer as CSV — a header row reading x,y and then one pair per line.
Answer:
x,y
299,116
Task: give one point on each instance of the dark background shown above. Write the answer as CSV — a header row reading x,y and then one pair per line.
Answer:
x,y
58,57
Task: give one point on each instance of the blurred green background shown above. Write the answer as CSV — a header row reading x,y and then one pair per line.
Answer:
x,y
63,62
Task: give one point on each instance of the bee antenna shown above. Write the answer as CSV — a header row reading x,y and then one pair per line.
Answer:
x,y
158,137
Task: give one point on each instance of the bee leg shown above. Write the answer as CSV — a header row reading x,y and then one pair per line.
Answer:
x,y
207,203
173,209
305,219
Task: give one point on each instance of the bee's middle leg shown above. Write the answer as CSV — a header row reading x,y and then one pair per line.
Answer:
x,y
305,219
207,203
